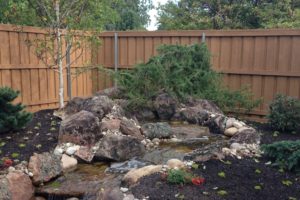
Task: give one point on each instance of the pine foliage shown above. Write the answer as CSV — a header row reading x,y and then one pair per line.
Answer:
x,y
181,71
12,117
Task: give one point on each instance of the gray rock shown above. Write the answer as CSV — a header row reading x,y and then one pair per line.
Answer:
x,y
98,105
112,92
205,105
194,115
165,106
216,124
129,127
119,148
145,114
82,128
157,130
44,167
4,189
246,135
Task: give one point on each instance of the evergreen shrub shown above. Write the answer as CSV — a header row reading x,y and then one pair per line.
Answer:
x,y
12,116
181,71
284,113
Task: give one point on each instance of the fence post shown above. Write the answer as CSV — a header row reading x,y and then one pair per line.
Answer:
x,y
116,56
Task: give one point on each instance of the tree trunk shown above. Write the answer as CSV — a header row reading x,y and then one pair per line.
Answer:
x,y
59,56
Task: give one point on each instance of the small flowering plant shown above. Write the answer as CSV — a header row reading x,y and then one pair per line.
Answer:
x,y
181,177
5,163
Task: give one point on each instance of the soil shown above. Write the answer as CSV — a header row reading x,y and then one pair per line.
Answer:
x,y
241,178
40,135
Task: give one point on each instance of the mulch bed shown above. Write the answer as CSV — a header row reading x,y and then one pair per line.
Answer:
x,y
239,183
40,135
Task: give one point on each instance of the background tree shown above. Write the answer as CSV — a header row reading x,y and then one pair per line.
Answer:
x,y
132,14
229,14
63,19
113,15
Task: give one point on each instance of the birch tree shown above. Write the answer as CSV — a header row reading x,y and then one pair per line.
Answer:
x,y
73,24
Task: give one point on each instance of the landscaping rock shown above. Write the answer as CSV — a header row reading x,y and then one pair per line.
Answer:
x,y
82,128
237,124
85,153
194,115
110,124
165,106
129,127
68,163
157,130
229,122
216,124
73,106
98,105
119,148
231,131
72,150
204,105
44,167
112,92
4,189
144,114
134,175
20,186
110,194
246,135
175,163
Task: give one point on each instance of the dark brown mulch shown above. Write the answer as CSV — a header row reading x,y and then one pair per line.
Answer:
x,y
239,182
40,135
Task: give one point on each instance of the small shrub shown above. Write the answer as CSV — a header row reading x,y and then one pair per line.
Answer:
x,y
284,113
178,176
12,117
286,154
181,71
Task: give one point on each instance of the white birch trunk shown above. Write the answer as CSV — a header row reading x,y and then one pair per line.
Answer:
x,y
59,56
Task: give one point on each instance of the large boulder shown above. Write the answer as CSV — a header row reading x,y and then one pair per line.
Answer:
x,y
110,124
165,106
194,115
205,105
16,186
119,148
134,175
157,130
73,106
82,128
44,167
130,127
246,135
98,105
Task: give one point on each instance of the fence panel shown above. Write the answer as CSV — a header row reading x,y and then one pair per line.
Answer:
x,y
266,60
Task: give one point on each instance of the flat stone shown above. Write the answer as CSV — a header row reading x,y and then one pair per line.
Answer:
x,y
134,175
44,167
68,163
175,163
231,131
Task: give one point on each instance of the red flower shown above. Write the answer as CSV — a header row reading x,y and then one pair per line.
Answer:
x,y
7,163
198,181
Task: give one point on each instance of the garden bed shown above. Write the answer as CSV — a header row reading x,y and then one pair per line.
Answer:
x,y
40,135
241,179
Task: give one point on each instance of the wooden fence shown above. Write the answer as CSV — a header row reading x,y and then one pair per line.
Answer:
x,y
266,60
22,70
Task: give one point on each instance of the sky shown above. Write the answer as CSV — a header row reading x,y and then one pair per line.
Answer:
x,y
153,13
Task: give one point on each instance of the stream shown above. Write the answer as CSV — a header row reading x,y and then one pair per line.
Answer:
x,y
88,179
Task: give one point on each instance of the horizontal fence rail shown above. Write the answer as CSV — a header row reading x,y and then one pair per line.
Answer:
x,y
268,61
